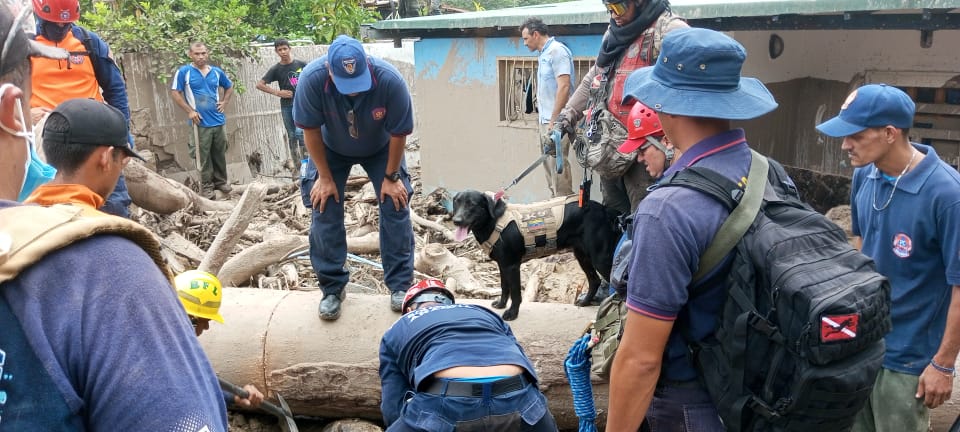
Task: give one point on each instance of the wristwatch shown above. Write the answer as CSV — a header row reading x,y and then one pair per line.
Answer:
x,y
394,176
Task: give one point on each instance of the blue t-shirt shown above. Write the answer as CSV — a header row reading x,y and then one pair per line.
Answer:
x,y
202,92
915,243
555,59
114,338
668,240
374,115
429,340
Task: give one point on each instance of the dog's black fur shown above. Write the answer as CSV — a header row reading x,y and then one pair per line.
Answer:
x,y
591,232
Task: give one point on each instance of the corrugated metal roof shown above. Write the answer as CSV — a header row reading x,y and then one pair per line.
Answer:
x,y
581,12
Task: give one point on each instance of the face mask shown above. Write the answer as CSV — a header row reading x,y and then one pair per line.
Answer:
x,y
36,171
54,31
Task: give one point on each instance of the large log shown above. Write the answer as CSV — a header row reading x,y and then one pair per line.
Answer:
x,y
156,193
233,228
275,340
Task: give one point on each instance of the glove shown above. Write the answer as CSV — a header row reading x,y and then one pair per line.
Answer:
x,y
564,125
546,143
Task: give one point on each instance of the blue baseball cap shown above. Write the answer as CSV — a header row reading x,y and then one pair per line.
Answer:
x,y
348,62
698,75
873,105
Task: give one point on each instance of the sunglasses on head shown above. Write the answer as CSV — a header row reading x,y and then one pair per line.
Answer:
x,y
617,9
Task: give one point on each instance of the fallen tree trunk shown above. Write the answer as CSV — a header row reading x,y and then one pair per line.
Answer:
x,y
368,243
253,260
329,368
423,222
233,228
156,193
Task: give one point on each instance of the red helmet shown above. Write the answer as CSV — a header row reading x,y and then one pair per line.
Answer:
x,y
641,123
58,11
423,286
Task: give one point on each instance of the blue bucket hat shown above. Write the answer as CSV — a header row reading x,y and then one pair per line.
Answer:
x,y
348,62
698,75
873,105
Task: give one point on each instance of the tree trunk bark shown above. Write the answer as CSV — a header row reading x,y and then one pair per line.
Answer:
x,y
275,340
233,228
156,193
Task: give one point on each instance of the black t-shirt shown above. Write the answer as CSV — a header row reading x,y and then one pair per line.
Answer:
x,y
286,75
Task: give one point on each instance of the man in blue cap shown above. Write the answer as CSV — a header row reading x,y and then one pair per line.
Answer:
x,y
905,210
355,109
696,89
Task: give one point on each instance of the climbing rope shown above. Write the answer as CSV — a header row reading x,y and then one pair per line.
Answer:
x,y
577,368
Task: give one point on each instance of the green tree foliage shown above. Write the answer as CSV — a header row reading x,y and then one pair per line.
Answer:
x,y
164,29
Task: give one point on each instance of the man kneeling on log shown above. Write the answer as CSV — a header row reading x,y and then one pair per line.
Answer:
x,y
447,366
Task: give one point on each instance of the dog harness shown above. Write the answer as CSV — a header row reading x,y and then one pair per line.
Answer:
x,y
538,224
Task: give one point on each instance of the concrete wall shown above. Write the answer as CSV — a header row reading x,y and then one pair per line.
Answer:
x,y
465,145
253,117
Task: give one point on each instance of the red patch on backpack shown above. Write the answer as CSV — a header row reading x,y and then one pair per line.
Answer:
x,y
838,327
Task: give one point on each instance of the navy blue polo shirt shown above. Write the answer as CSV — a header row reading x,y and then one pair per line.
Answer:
x,y
385,110
915,242
673,226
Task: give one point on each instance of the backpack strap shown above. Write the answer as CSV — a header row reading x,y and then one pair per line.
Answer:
x,y
29,233
744,206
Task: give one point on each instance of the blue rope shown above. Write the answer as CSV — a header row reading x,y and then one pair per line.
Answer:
x,y
577,367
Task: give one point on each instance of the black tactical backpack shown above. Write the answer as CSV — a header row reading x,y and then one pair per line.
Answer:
x,y
800,337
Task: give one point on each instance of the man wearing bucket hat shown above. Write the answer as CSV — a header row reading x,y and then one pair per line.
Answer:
x,y
632,41
696,88
905,205
88,160
355,109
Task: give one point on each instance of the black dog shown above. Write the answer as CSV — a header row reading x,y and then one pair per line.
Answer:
x,y
591,232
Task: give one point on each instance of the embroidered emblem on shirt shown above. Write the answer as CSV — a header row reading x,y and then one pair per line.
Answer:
x,y
349,65
379,113
76,59
902,245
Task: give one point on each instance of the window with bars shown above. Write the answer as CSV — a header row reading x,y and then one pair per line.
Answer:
x,y
517,78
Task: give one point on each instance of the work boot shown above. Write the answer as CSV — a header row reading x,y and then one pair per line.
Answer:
x,y
225,188
330,307
396,300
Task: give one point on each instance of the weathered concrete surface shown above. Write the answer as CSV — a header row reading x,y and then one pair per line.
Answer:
x,y
322,368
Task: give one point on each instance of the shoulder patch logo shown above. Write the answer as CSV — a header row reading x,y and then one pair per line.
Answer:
x,y
902,245
379,113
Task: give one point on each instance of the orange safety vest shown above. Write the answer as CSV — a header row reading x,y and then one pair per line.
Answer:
x,y
55,81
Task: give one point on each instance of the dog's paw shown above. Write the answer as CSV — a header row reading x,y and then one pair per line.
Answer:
x,y
498,304
510,314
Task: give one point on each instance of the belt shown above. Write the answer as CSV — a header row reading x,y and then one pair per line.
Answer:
x,y
468,389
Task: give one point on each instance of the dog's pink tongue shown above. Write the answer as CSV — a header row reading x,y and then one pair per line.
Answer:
x,y
461,234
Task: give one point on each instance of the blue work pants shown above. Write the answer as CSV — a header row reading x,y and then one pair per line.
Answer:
x,y
328,237
437,413
686,408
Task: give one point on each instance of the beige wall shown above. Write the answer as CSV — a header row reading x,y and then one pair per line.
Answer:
x,y
466,146
253,117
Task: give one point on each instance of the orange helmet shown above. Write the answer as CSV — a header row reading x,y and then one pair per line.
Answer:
x,y
642,123
415,293
58,11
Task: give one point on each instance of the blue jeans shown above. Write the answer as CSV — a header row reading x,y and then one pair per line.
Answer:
x,y
683,409
435,413
294,134
119,200
328,237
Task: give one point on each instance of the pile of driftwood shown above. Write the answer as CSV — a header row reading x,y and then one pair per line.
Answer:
x,y
257,235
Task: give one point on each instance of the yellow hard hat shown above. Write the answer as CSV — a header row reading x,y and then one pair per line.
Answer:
x,y
200,292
